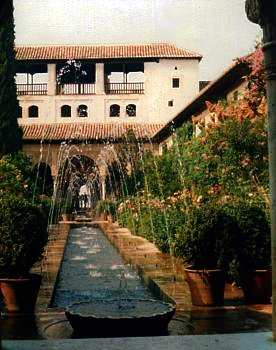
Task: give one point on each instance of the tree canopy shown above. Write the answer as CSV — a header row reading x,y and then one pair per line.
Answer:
x,y
10,133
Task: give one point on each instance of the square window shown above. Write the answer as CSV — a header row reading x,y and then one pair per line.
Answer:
x,y
170,103
175,82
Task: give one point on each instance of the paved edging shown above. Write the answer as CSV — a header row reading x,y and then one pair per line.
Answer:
x,y
49,266
241,341
161,273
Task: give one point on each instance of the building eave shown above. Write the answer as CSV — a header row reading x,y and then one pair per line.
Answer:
x,y
91,132
38,53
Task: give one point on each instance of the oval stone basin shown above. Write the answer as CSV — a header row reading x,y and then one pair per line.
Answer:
x,y
120,317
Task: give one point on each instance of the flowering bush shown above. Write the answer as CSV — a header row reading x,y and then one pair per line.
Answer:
x,y
187,192
16,175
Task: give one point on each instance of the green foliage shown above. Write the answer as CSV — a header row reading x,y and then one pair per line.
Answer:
x,y
162,178
150,223
108,206
164,175
206,238
252,244
185,132
240,150
10,133
127,219
206,198
23,235
18,177
152,219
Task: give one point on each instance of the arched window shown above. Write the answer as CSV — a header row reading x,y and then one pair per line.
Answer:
x,y
33,112
131,110
114,111
20,112
83,111
65,111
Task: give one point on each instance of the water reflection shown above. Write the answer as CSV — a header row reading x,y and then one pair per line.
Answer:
x,y
93,268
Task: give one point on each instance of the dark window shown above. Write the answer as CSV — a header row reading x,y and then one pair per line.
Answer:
x,y
114,111
82,111
33,112
170,103
175,82
20,112
65,111
131,110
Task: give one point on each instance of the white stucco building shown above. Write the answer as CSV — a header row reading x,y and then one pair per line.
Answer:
x,y
103,92
120,83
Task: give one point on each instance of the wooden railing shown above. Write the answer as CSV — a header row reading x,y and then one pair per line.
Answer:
x,y
124,88
32,89
76,89
80,89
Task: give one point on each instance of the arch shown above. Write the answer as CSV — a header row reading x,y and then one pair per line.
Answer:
x,y
131,110
114,110
79,171
33,111
82,111
65,111
45,182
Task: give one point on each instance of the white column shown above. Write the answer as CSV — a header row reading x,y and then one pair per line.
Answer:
x,y
99,78
51,79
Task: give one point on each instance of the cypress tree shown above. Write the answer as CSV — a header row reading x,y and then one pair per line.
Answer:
x,y
10,132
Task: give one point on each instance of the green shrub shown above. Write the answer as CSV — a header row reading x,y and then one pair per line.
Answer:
x,y
127,219
23,235
206,238
252,244
108,206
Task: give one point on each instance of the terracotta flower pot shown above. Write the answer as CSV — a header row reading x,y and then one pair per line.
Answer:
x,y
257,286
66,217
20,294
206,286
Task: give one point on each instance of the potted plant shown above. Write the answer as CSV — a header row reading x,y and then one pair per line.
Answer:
x,y
204,244
252,250
67,213
23,235
107,209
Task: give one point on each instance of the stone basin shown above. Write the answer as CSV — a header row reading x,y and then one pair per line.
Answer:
x,y
120,317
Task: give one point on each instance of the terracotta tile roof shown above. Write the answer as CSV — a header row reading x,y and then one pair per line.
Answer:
x,y
86,131
58,52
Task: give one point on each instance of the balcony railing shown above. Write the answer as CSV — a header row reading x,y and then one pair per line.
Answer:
x,y
76,89
80,89
32,89
124,88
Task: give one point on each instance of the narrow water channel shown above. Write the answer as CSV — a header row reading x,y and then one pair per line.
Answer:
x,y
93,268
